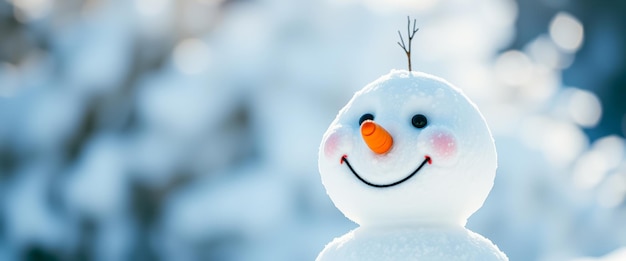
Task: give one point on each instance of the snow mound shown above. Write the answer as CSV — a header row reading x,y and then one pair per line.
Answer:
x,y
406,243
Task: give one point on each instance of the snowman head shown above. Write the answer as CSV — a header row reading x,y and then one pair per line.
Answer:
x,y
408,148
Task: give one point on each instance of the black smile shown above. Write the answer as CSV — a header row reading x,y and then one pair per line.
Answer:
x,y
344,158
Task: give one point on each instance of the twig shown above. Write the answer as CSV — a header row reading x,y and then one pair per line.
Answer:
x,y
410,33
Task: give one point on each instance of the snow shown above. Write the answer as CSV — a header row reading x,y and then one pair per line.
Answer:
x,y
616,255
447,190
97,48
97,185
453,185
411,243
31,219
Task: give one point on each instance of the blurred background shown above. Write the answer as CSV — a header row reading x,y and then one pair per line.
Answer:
x,y
188,130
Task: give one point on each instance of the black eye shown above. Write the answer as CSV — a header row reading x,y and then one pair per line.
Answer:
x,y
419,121
367,116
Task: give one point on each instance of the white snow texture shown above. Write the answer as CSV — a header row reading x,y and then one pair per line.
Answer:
x,y
411,243
377,190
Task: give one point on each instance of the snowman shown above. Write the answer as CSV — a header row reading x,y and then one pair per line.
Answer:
x,y
409,159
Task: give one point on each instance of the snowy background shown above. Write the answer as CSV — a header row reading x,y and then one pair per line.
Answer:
x,y
188,130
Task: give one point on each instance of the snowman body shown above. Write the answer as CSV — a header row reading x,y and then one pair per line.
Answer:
x,y
409,159
411,243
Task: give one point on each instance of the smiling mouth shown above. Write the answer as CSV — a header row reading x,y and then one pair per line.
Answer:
x,y
427,159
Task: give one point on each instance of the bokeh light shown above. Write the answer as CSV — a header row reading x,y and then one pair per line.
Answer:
x,y
584,107
191,56
151,7
566,32
29,10
514,68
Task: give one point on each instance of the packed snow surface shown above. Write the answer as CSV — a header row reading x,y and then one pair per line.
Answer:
x,y
411,243
409,158
458,147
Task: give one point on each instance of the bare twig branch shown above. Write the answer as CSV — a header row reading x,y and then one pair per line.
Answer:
x,y
410,35
401,45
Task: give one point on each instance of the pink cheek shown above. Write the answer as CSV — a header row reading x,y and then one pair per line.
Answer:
x,y
444,145
331,145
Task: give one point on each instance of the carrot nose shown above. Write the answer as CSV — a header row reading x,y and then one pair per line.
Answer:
x,y
376,137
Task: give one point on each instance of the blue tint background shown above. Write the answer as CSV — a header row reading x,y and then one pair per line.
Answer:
x,y
188,130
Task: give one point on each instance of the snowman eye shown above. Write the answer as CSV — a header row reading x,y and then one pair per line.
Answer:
x,y
419,121
367,116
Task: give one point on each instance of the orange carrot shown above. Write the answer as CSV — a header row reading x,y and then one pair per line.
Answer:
x,y
376,137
